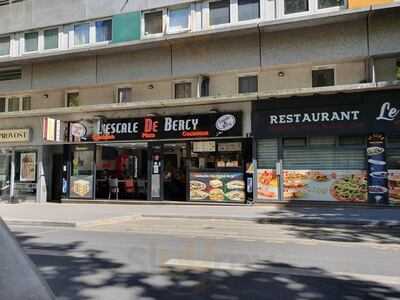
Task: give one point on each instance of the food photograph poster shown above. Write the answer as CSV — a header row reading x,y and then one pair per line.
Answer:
x,y
28,166
217,186
317,185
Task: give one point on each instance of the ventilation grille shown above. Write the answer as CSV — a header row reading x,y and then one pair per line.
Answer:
x,y
7,2
10,74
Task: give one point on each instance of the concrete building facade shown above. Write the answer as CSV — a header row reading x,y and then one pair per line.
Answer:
x,y
63,64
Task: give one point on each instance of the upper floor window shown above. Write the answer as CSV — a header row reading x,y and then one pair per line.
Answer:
x,y
72,99
329,3
183,90
103,31
323,77
4,45
50,37
296,6
31,41
81,34
124,94
153,22
220,12
178,19
13,104
248,9
248,84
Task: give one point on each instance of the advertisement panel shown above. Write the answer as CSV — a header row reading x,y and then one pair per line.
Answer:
x,y
156,128
316,185
217,186
377,173
394,186
27,167
81,186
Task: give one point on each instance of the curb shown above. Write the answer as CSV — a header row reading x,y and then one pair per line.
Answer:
x,y
39,223
288,220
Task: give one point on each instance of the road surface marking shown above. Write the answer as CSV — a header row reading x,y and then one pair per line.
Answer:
x,y
201,264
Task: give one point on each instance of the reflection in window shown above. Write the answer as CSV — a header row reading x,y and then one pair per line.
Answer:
x,y
329,3
13,104
178,19
4,45
295,6
153,22
104,31
31,41
219,12
248,9
81,34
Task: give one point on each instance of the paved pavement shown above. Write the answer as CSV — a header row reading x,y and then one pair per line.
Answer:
x,y
74,215
167,258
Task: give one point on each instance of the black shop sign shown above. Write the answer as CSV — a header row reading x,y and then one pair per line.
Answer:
x,y
340,114
158,128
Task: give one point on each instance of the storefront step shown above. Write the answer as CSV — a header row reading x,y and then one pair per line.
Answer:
x,y
141,202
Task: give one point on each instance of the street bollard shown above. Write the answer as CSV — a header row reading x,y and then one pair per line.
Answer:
x,y
19,278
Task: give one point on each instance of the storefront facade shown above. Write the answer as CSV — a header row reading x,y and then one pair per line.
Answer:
x,y
202,156
21,163
331,148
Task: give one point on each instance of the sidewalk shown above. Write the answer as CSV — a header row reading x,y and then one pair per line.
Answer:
x,y
76,215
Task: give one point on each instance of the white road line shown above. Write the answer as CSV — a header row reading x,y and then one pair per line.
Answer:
x,y
201,264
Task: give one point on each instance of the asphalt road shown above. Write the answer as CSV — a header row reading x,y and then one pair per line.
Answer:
x,y
221,260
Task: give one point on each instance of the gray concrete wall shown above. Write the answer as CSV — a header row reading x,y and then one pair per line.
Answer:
x,y
385,33
44,13
326,43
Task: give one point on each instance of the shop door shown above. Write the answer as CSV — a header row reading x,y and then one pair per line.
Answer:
x,y
82,172
5,182
175,157
57,184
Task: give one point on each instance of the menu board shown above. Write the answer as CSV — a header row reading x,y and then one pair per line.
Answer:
x,y
213,186
316,185
394,185
206,146
377,179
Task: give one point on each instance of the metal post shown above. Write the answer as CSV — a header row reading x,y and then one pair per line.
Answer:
x,y
12,177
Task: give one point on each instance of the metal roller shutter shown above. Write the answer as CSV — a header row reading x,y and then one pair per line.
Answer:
x,y
324,158
267,153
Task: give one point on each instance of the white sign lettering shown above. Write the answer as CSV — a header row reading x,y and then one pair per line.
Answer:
x,y
387,112
314,117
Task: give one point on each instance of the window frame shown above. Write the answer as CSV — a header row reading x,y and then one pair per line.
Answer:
x,y
20,103
312,9
9,46
23,46
324,67
248,75
116,93
90,41
260,17
42,39
144,35
190,8
95,31
66,97
191,81
233,17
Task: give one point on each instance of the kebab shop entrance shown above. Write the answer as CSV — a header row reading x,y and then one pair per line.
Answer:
x,y
160,158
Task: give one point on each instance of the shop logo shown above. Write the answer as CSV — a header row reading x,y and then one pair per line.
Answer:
x,y
225,122
387,112
78,130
